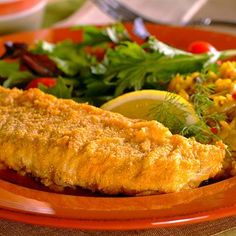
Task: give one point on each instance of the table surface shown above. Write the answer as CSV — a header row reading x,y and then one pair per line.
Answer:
x,y
222,227
185,10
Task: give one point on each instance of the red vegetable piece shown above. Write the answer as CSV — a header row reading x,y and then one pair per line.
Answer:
x,y
234,95
42,65
97,52
48,82
14,50
214,130
199,47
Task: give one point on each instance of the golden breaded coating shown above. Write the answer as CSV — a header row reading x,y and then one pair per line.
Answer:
x,y
69,144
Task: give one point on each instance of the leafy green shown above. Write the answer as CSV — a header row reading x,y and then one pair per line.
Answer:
x,y
94,36
127,66
62,89
12,74
162,48
68,57
132,68
44,47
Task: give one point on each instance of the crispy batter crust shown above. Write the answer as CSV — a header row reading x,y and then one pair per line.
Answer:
x,y
70,144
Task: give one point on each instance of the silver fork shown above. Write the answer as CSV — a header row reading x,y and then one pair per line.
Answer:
x,y
140,29
121,12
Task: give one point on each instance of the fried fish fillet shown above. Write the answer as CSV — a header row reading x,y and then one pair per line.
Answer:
x,y
64,143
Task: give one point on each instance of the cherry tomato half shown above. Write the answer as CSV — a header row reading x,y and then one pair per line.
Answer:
x,y
199,47
48,82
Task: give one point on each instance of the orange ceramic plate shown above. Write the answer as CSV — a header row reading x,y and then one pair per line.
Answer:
x,y
24,200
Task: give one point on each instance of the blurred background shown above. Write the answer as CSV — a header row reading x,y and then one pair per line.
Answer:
x,y
23,15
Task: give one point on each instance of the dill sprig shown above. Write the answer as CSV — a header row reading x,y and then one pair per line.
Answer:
x,y
200,98
202,104
170,112
200,131
173,113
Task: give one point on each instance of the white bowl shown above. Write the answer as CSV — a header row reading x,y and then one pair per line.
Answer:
x,y
30,19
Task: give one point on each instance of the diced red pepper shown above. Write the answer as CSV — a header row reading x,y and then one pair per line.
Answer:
x,y
214,130
234,95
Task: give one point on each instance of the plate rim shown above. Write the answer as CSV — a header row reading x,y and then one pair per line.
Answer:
x,y
118,223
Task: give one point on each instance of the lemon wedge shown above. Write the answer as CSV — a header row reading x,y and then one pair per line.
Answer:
x,y
168,108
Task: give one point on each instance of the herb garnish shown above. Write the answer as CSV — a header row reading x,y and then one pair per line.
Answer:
x,y
171,113
202,105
